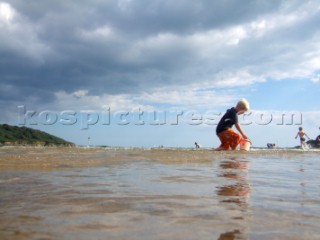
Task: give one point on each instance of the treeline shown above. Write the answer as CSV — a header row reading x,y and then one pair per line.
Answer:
x,y
13,135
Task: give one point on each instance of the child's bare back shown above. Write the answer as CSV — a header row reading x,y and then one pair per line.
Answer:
x,y
302,135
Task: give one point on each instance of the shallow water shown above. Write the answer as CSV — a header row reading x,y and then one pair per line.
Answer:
x,y
244,196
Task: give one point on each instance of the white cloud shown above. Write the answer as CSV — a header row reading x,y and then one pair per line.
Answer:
x,y
235,79
20,36
188,98
81,101
238,55
6,12
164,99
80,93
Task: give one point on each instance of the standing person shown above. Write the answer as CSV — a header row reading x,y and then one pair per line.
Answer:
x,y
302,135
228,137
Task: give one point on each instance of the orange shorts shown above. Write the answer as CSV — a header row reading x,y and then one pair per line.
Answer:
x,y
229,139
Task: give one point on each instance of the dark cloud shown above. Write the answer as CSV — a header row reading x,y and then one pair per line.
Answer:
x,y
56,45
143,16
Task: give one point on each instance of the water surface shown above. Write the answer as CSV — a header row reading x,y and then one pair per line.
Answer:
x,y
226,196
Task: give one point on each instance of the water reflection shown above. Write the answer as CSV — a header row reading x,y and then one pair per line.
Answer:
x,y
230,235
235,192
303,185
239,189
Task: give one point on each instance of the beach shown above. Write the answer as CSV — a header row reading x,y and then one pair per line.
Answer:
x,y
137,193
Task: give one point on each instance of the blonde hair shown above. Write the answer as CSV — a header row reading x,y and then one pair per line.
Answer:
x,y
243,103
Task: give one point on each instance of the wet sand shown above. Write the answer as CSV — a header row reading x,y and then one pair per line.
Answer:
x,y
77,193
42,158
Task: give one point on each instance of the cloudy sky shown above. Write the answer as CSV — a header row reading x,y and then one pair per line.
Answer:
x,y
121,71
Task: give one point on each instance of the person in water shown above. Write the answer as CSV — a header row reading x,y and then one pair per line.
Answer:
x,y
317,141
228,137
302,136
271,145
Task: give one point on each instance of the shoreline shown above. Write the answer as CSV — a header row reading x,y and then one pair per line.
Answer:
x,y
51,158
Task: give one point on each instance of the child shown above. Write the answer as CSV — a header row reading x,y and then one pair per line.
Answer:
x,y
301,134
228,137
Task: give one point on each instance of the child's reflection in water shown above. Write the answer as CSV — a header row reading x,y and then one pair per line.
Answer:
x,y
235,191
239,190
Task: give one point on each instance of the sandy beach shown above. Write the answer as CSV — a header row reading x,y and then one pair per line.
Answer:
x,y
133,193
47,158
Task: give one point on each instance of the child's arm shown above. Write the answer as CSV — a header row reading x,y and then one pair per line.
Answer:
x,y
238,127
297,135
306,135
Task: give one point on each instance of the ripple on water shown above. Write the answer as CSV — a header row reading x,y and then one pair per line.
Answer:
x,y
230,197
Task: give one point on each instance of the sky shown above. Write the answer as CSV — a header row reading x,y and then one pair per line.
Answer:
x,y
147,73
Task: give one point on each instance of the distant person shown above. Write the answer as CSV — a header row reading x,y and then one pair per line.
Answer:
x,y
317,141
228,137
271,145
197,145
314,143
302,136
